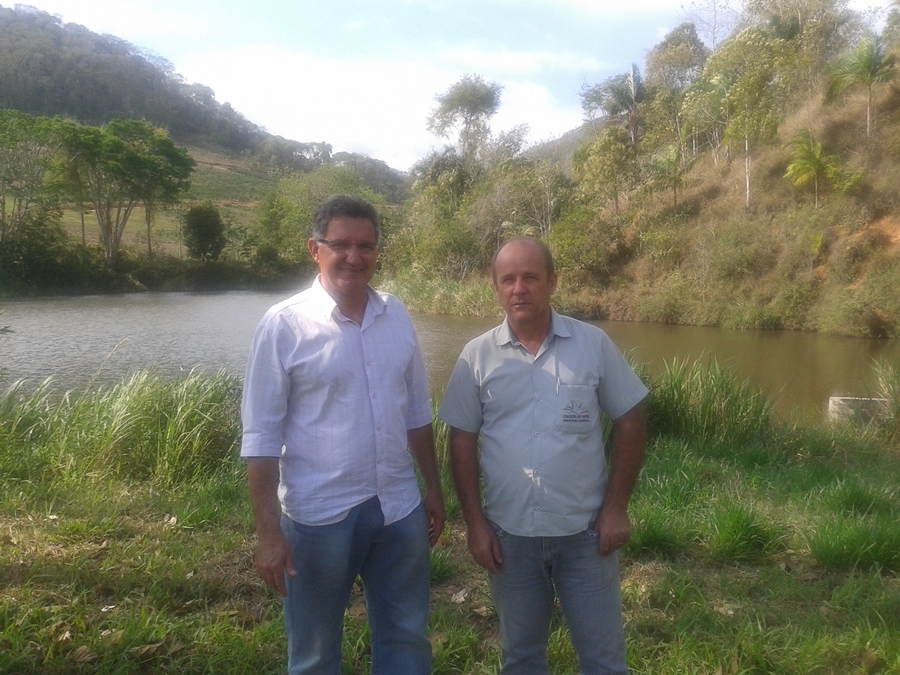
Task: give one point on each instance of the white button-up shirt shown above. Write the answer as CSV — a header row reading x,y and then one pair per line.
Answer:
x,y
334,400
542,454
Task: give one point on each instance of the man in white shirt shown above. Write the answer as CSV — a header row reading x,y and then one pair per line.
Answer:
x,y
530,394
336,414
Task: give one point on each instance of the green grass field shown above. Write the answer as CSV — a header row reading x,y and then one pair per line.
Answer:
x,y
234,187
127,540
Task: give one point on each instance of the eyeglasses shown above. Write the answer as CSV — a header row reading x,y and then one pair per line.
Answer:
x,y
343,246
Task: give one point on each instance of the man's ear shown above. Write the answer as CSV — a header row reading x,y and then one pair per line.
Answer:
x,y
313,247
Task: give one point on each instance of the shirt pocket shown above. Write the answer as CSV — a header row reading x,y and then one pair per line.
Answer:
x,y
577,409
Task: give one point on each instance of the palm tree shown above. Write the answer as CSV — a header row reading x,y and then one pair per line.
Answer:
x,y
618,99
809,163
668,170
869,64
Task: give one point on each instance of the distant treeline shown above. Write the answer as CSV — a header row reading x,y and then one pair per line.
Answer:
x,y
50,68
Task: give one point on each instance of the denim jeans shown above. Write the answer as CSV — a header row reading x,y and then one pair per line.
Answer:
x,y
535,570
393,562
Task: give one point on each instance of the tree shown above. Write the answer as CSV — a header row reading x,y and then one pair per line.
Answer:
x,y
164,172
521,197
27,150
283,226
672,66
466,107
607,167
204,232
715,19
121,165
443,178
867,65
744,84
704,112
668,171
677,61
810,164
617,98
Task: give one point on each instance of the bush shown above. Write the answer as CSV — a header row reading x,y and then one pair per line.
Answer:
x,y
204,232
709,403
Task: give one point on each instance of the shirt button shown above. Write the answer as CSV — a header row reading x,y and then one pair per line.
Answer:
x,y
537,398
537,433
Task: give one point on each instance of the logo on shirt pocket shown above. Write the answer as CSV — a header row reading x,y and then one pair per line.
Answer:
x,y
576,412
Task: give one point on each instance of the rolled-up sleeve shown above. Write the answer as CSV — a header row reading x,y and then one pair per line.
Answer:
x,y
265,396
418,413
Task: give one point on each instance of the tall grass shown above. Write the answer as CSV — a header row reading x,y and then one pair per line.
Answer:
x,y
887,379
697,400
126,541
144,428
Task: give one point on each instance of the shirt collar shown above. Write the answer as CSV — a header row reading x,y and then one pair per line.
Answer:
x,y
375,305
558,328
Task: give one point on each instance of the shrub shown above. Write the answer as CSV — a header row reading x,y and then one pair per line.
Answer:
x,y
709,403
740,533
204,232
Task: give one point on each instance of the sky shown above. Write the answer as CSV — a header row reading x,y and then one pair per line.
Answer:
x,y
362,75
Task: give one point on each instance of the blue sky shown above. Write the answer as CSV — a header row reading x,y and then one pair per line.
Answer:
x,y
362,74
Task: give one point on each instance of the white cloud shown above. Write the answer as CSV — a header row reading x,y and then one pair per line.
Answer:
x,y
373,108
526,102
358,106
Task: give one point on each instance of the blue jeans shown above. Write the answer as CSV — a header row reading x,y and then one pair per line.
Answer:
x,y
535,570
393,562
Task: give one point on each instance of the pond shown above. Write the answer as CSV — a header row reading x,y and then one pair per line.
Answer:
x,y
83,341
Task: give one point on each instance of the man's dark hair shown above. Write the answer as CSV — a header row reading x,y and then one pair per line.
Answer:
x,y
545,251
347,206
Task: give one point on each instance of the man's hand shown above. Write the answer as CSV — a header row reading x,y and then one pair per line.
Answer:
x,y
614,530
421,446
483,543
484,546
630,436
273,561
273,553
435,513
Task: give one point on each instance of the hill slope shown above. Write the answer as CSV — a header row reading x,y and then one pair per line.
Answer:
x,y
51,68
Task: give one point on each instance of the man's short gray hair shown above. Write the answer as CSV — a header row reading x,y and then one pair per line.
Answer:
x,y
346,206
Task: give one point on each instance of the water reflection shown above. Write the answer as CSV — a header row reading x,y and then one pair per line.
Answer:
x,y
92,339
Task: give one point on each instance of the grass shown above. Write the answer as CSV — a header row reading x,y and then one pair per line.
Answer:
x,y
165,235
126,540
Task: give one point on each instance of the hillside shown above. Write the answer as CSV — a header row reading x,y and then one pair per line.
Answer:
x,y
684,202
748,187
51,68
782,262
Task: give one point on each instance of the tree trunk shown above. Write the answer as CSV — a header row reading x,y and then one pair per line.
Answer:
x,y
148,216
747,168
869,113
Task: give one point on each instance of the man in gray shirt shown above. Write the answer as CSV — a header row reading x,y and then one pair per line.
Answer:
x,y
554,515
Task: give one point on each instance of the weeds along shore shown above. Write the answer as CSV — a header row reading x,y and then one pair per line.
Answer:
x,y
127,539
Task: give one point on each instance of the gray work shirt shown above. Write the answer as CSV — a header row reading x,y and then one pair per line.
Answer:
x,y
542,454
